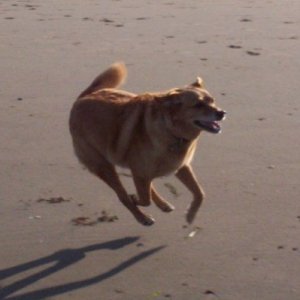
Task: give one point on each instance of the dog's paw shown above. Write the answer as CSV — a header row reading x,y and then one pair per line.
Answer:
x,y
146,220
165,206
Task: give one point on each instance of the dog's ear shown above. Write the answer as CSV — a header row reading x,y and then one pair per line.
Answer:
x,y
198,83
172,99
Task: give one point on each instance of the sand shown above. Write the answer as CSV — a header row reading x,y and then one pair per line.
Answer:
x,y
64,234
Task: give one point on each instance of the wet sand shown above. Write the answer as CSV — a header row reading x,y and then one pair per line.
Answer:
x,y
64,234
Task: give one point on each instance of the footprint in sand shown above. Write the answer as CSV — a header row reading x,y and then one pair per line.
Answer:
x,y
253,53
293,37
31,7
210,294
141,18
106,21
234,47
87,221
53,200
245,20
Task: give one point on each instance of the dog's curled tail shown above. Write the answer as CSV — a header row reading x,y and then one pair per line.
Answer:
x,y
113,77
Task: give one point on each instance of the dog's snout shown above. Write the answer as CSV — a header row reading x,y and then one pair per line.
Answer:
x,y
221,114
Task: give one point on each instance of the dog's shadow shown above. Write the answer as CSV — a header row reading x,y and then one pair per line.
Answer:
x,y
63,259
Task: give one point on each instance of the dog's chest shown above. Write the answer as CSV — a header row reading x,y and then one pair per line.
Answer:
x,y
182,151
177,154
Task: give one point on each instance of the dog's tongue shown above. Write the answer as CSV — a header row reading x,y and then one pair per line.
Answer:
x,y
212,126
215,126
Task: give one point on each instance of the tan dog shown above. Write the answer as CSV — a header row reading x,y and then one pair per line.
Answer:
x,y
151,134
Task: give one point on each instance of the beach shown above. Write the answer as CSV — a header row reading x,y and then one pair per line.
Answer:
x,y
64,233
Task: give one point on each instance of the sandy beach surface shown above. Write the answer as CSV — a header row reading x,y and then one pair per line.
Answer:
x,y
63,233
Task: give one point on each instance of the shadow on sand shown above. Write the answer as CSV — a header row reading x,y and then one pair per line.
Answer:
x,y
63,259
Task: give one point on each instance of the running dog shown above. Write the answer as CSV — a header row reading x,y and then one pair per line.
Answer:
x,y
152,134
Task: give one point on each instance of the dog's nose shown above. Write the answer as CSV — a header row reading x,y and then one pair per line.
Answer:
x,y
221,114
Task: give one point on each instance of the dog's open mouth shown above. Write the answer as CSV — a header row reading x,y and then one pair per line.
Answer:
x,y
212,127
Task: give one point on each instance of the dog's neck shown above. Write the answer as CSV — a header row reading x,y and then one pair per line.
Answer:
x,y
178,144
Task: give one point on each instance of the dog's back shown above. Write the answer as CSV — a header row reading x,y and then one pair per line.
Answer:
x,y
95,121
113,77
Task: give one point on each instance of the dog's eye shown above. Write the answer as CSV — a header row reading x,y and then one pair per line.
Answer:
x,y
200,104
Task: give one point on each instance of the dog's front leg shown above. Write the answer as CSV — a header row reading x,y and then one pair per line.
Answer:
x,y
161,203
188,178
143,188
146,192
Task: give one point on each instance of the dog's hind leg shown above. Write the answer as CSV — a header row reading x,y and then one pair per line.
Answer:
x,y
188,178
161,203
108,174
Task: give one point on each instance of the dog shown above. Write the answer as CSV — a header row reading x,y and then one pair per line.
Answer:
x,y
152,134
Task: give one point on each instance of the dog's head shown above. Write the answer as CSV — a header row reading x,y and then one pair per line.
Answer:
x,y
191,110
